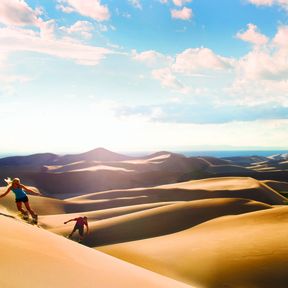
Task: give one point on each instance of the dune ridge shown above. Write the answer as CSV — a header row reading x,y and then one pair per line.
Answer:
x,y
164,220
248,250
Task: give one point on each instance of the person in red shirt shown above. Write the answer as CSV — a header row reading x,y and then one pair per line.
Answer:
x,y
79,225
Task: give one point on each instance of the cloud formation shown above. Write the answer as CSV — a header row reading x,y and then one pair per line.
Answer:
x,y
47,29
168,80
182,14
82,28
200,60
181,2
151,58
281,3
204,113
17,13
27,40
262,74
268,62
252,35
92,8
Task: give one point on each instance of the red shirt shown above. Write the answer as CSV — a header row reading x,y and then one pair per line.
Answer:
x,y
80,221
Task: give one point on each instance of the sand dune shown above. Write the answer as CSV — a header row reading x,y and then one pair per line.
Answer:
x,y
52,221
248,250
183,230
162,162
228,169
98,154
35,159
101,170
214,161
246,160
230,187
32,257
279,157
160,220
279,186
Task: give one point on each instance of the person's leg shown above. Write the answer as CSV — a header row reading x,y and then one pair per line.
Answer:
x,y
81,234
71,234
30,210
19,207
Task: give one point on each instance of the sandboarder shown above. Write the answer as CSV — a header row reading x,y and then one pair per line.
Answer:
x,y
20,197
79,225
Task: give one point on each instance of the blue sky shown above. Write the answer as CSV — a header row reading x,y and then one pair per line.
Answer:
x,y
143,75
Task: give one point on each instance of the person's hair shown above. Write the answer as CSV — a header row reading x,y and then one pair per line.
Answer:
x,y
10,182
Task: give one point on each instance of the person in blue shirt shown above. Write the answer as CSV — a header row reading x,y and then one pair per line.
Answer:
x,y
20,197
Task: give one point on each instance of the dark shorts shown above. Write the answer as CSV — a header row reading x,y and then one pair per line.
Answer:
x,y
23,199
80,229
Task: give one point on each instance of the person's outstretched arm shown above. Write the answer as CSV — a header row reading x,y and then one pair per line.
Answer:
x,y
70,220
28,190
6,192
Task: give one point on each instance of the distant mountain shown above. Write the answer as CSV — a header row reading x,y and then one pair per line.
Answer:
x,y
98,154
279,157
101,170
161,153
35,159
246,160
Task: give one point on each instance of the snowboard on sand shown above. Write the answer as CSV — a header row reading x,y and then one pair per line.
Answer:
x,y
32,221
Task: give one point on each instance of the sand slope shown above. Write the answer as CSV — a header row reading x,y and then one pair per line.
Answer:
x,y
279,186
248,250
32,257
217,232
228,187
159,220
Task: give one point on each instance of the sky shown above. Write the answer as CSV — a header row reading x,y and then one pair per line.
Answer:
x,y
135,75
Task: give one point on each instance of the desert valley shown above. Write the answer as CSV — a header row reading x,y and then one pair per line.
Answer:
x,y
159,220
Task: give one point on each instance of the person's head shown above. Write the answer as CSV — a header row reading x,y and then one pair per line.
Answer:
x,y
15,182
85,218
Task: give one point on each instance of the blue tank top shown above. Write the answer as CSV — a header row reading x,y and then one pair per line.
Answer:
x,y
19,193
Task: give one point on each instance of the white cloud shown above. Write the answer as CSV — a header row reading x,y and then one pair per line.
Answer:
x,y
168,80
262,2
263,72
200,60
249,93
264,65
280,39
281,3
13,40
92,8
267,63
181,2
183,14
83,28
136,3
151,57
169,70
47,29
252,35
17,12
